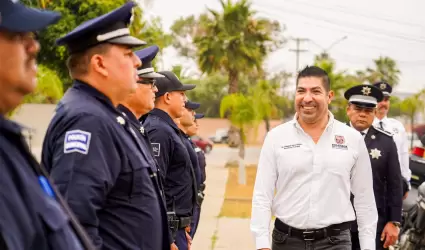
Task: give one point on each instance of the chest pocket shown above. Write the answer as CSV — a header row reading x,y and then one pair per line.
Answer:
x,y
293,157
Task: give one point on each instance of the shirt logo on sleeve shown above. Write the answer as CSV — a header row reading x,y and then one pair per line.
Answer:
x,y
156,148
339,142
76,141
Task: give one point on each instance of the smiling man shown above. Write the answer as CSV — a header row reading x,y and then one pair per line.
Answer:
x,y
387,180
313,162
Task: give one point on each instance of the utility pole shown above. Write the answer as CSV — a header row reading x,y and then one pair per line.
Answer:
x,y
298,41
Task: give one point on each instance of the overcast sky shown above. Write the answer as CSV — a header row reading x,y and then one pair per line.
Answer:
x,y
391,28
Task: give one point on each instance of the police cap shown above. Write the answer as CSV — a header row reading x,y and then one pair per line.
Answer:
x,y
199,116
16,17
364,95
110,28
384,87
170,83
192,105
146,56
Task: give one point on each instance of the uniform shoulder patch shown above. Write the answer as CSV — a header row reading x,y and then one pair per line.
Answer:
x,y
383,131
156,148
77,141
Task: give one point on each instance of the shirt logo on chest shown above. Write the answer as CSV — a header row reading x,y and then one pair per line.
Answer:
x,y
339,142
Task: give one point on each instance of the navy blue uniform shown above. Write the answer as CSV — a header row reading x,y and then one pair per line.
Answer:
x,y
175,165
30,218
387,181
100,167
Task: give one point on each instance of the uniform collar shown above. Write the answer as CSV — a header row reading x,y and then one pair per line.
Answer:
x,y
164,116
127,113
10,126
92,91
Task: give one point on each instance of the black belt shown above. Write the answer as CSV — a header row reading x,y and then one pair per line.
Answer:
x,y
184,222
311,234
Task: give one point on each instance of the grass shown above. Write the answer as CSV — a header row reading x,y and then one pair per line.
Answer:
x,y
238,198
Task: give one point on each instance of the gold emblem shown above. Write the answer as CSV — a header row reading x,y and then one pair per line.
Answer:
x,y
366,90
142,130
373,137
382,86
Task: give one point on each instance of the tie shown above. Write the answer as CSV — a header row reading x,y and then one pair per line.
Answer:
x,y
381,124
363,133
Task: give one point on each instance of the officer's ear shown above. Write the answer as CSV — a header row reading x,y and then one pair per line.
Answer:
x,y
167,97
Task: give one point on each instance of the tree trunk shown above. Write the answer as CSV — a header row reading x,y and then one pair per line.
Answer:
x,y
233,81
267,122
241,159
234,139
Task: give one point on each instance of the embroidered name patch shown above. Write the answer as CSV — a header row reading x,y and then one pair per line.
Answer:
x,y
156,148
77,141
292,146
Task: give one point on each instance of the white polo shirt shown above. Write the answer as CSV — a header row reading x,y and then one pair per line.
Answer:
x,y
400,138
313,181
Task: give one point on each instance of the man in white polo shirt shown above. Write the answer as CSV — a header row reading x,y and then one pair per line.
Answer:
x,y
313,162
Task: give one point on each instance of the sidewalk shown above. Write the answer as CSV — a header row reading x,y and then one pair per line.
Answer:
x,y
220,233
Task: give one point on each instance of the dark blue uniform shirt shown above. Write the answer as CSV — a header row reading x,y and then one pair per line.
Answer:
x,y
107,178
190,146
202,163
29,217
387,179
174,162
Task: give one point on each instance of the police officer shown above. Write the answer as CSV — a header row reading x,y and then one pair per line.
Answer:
x,y
387,180
184,123
395,127
90,148
133,107
191,131
173,158
33,215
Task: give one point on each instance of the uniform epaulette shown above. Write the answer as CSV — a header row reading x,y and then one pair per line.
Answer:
x,y
383,131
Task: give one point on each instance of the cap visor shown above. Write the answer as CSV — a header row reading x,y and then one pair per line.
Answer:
x,y
127,40
186,87
199,116
151,75
25,19
364,105
192,105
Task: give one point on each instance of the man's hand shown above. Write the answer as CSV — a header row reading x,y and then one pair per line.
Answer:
x,y
389,234
405,195
188,238
174,247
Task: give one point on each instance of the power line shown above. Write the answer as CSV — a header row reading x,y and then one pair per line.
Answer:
x,y
281,9
343,10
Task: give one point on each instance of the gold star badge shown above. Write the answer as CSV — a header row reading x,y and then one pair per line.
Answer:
x,y
373,137
120,120
375,153
142,130
366,91
382,85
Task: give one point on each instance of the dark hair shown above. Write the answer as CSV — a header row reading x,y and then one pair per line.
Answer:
x,y
314,71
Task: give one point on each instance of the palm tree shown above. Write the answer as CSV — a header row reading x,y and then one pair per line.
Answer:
x,y
411,106
234,41
385,70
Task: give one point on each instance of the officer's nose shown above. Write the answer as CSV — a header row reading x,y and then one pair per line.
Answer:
x,y
136,61
308,97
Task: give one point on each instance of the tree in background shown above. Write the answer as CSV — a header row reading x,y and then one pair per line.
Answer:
x,y
76,12
385,70
411,106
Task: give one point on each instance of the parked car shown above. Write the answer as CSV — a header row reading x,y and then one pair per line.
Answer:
x,y
415,140
203,144
417,164
221,135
